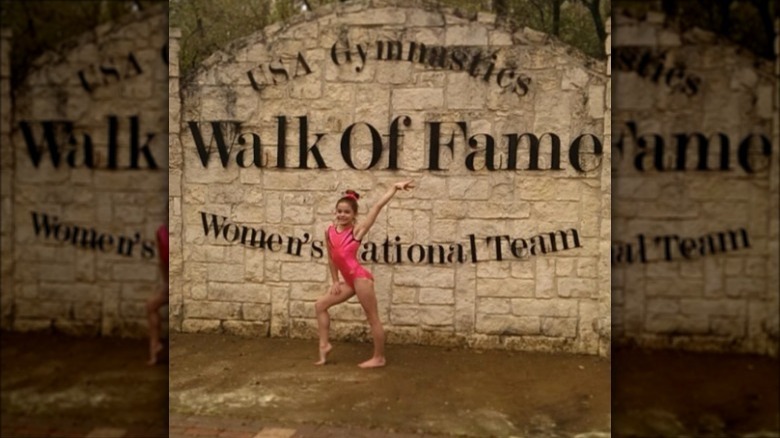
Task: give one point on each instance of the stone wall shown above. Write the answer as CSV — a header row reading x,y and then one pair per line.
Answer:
x,y
6,184
89,181
695,257
274,127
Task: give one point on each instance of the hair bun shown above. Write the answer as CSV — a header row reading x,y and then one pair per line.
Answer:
x,y
352,193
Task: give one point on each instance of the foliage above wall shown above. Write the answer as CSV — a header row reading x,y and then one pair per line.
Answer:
x,y
208,25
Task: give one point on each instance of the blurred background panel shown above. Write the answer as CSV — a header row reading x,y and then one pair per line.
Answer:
x,y
695,218
84,190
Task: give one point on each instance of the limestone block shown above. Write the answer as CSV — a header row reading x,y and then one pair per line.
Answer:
x,y
576,78
238,292
404,295
559,327
662,323
295,214
45,309
638,35
256,312
449,210
32,325
197,292
743,78
405,315
402,335
564,267
629,100
494,306
436,296
212,310
483,228
745,287
472,34
663,305
724,326
499,38
668,38
493,269
254,266
508,325
293,271
201,326
674,287
280,299
550,308
466,93
534,188
764,97
76,328
225,272
398,223
423,227
436,315
87,311
465,287
305,309
488,287
527,269
472,188
577,287
586,267
309,291
417,98
596,101
545,278
425,277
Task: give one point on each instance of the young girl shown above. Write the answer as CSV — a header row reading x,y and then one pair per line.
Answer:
x,y
160,299
343,240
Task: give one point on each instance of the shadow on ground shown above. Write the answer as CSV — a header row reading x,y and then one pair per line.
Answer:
x,y
677,394
53,385
422,390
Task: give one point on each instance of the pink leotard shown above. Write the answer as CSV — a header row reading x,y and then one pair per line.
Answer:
x,y
162,246
343,252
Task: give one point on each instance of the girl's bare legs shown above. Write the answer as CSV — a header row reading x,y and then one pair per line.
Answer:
x,y
322,305
364,288
152,312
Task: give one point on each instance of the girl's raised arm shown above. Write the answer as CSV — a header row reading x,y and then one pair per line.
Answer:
x,y
362,228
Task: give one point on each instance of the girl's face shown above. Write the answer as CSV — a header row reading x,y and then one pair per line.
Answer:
x,y
344,214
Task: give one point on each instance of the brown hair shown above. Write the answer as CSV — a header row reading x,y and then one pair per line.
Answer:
x,y
350,197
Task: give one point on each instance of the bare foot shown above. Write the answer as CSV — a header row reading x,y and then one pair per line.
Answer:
x,y
324,354
153,352
374,362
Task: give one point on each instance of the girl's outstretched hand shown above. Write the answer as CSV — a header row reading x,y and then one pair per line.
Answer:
x,y
404,185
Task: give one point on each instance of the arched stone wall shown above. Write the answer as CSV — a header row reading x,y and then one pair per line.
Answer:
x,y
695,259
492,249
88,190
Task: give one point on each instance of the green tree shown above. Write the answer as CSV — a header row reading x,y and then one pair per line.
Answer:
x,y
748,23
41,26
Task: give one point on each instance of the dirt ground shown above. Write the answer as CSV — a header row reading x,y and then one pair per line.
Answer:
x,y
423,389
81,382
78,384
675,394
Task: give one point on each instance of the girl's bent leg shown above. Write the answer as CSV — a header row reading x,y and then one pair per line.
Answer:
x,y
364,288
152,312
323,318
